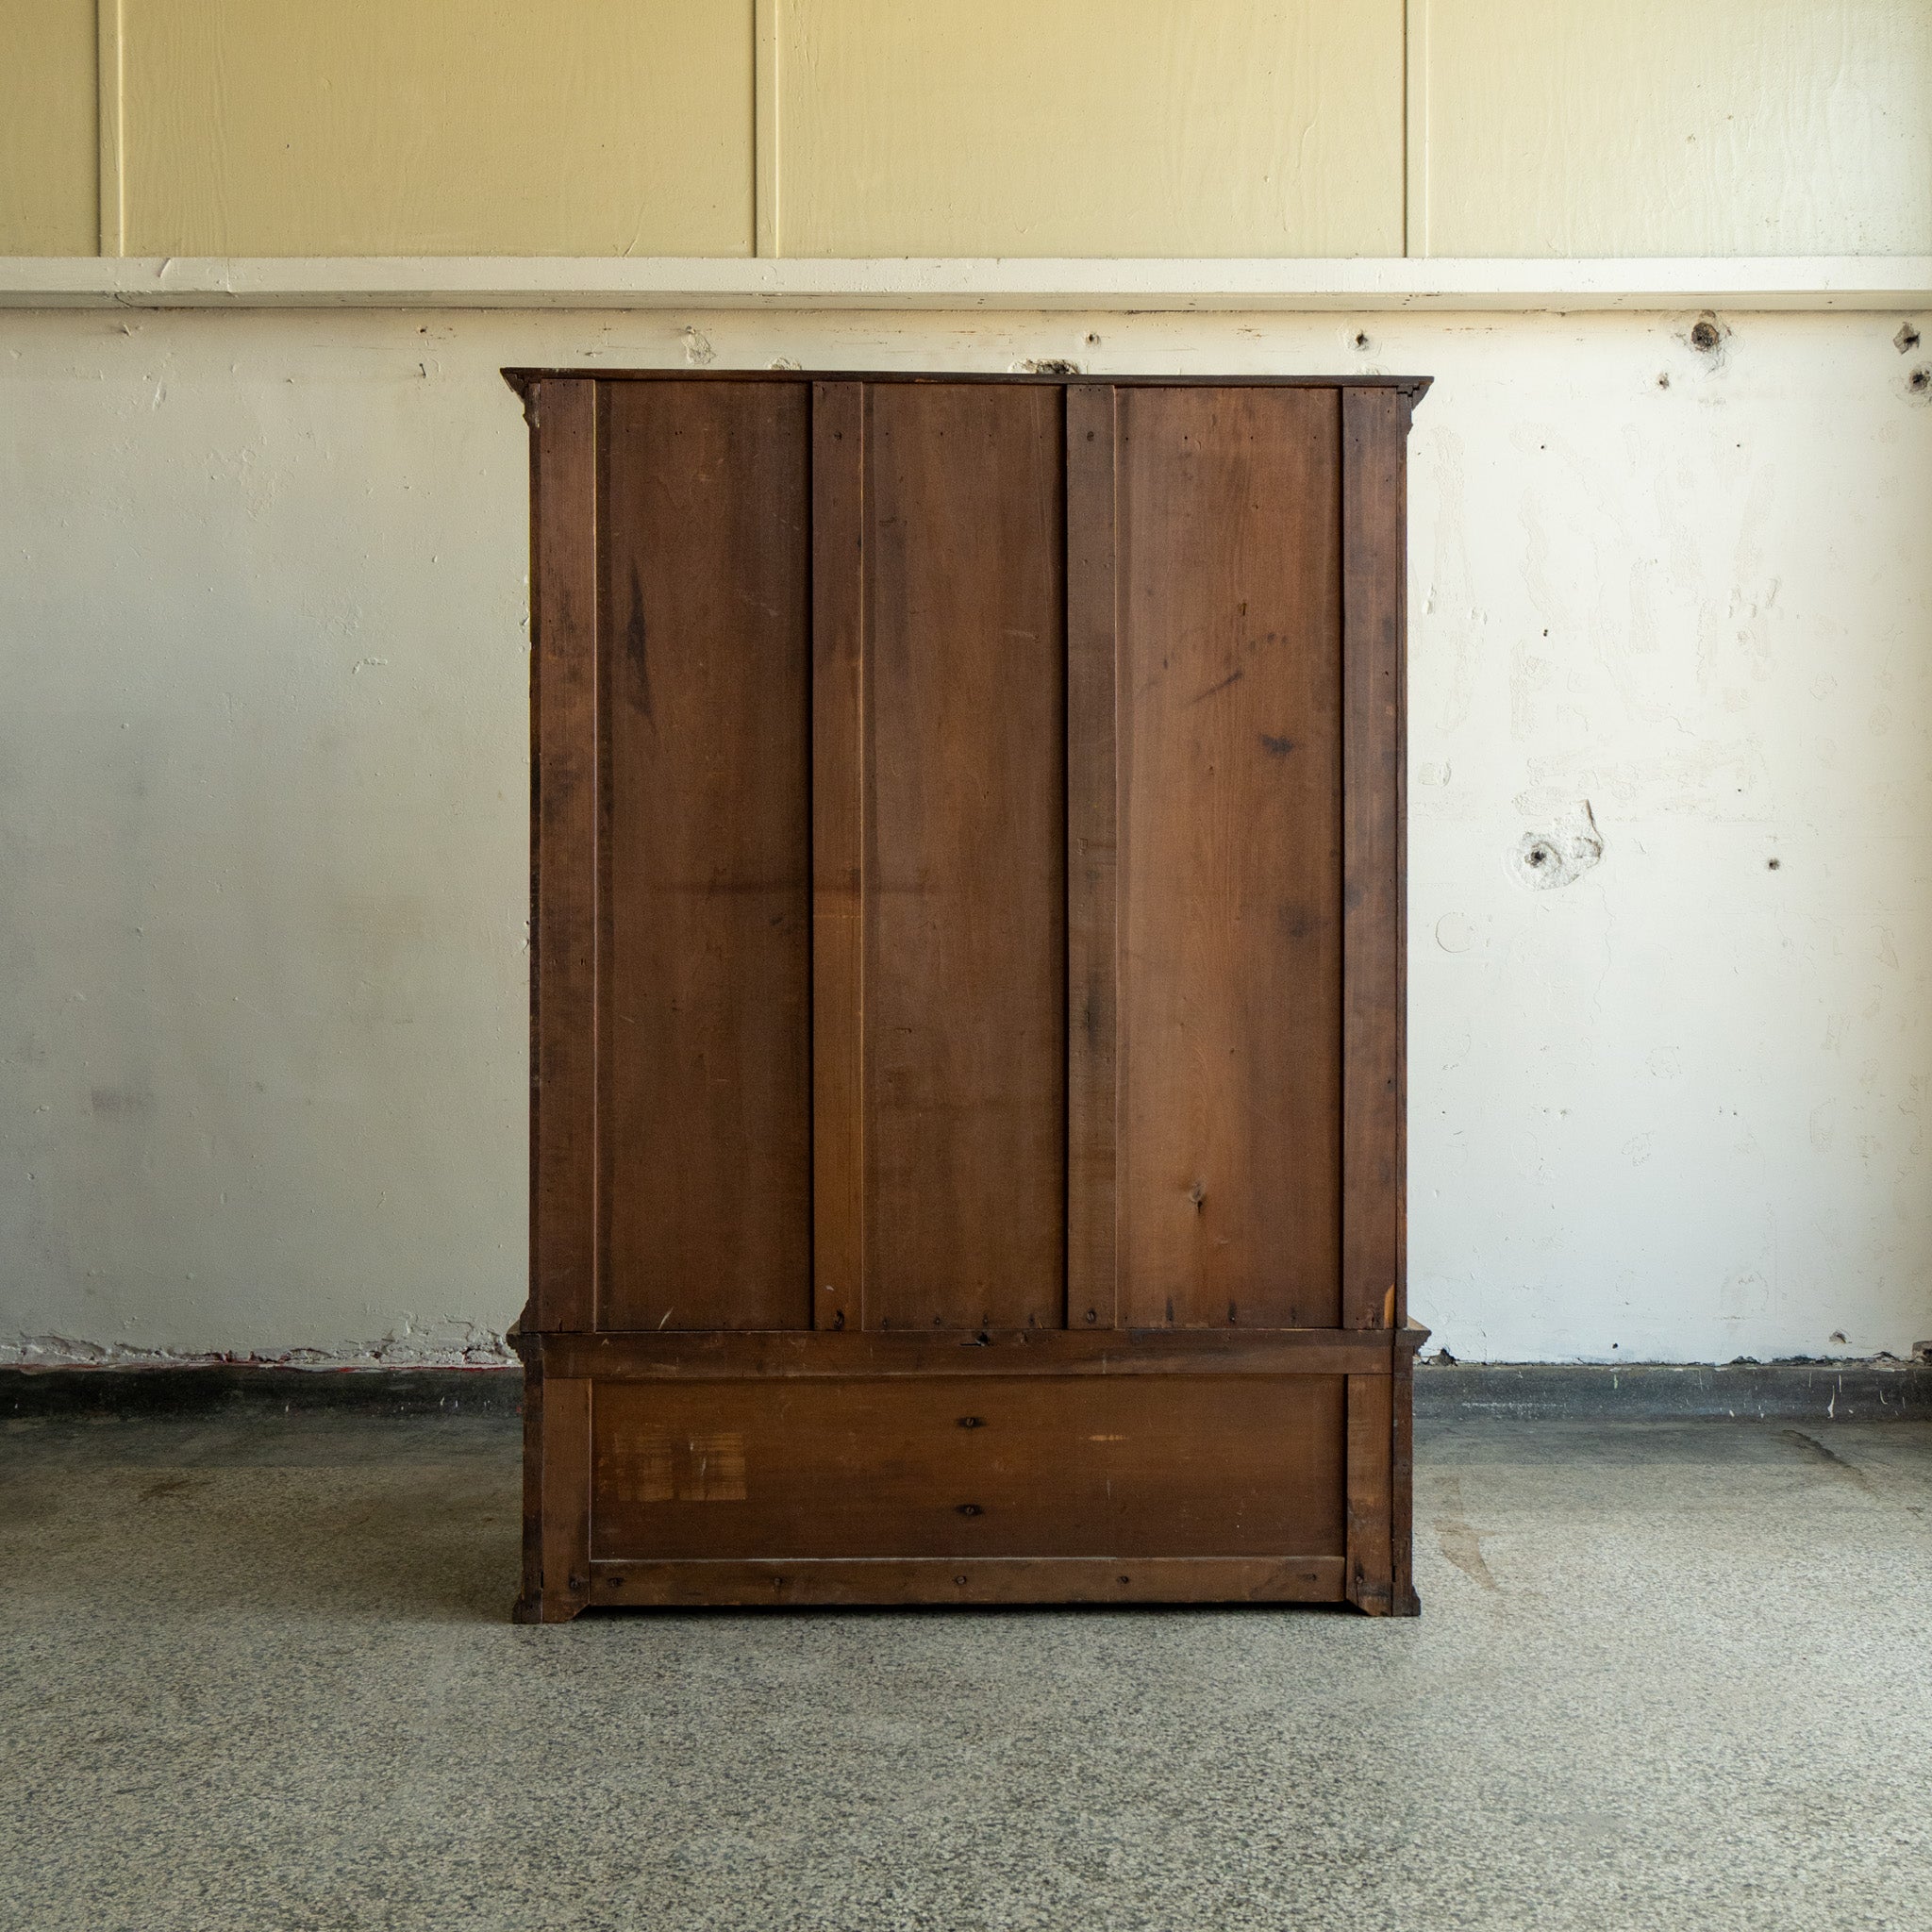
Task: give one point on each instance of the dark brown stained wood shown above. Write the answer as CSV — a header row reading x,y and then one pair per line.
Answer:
x,y
1230,866
1371,1493
528,1607
1412,386
965,877
853,1355
1077,1467
556,1500
975,1580
563,857
1092,1295
705,990
1403,1599
838,845
967,995
1374,428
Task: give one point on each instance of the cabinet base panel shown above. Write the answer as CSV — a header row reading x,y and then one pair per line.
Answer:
x,y
972,1580
837,1470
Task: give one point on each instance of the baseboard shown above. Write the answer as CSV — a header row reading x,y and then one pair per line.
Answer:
x,y
240,1389
1520,1391
1661,1392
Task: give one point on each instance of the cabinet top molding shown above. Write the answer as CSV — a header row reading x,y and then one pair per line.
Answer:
x,y
995,285
1413,387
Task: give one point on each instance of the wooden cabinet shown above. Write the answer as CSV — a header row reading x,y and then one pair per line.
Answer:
x,y
967,1029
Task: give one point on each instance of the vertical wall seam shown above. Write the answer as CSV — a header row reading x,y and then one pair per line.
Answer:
x,y
764,27
110,175
1415,127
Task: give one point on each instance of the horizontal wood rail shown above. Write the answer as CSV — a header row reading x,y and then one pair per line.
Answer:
x,y
668,1355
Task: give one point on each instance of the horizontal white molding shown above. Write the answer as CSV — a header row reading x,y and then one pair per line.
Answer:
x,y
1760,282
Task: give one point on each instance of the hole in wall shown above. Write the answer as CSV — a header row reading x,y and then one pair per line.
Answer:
x,y
1561,853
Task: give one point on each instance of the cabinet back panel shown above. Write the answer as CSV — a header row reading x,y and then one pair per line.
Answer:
x,y
705,1122
964,1044
1230,864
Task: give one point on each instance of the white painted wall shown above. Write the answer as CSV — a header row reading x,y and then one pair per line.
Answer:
x,y
262,782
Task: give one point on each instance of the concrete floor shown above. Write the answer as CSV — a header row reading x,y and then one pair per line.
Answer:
x,y
259,1673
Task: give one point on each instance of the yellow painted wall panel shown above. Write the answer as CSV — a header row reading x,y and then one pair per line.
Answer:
x,y
48,146
1139,128
1655,127
418,127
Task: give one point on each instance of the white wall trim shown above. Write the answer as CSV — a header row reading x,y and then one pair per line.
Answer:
x,y
1811,282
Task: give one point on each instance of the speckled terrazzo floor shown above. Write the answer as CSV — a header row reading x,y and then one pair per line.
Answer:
x,y
259,1673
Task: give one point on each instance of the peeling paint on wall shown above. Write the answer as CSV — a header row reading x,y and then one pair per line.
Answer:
x,y
1561,853
469,1349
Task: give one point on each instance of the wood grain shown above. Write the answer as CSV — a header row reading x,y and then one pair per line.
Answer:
x,y
1229,878
1093,684
970,1467
1375,429
705,990
973,1580
965,829
564,854
1039,1219
1411,386
853,1353
1371,1496
837,847
1403,1600
556,1500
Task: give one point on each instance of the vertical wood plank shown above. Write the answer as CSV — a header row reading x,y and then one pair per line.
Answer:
x,y
837,790
704,1121
563,876
1373,425
965,1057
1370,1557
564,1582
1230,867
1093,638
557,1492
528,1607
1397,512
1403,1599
